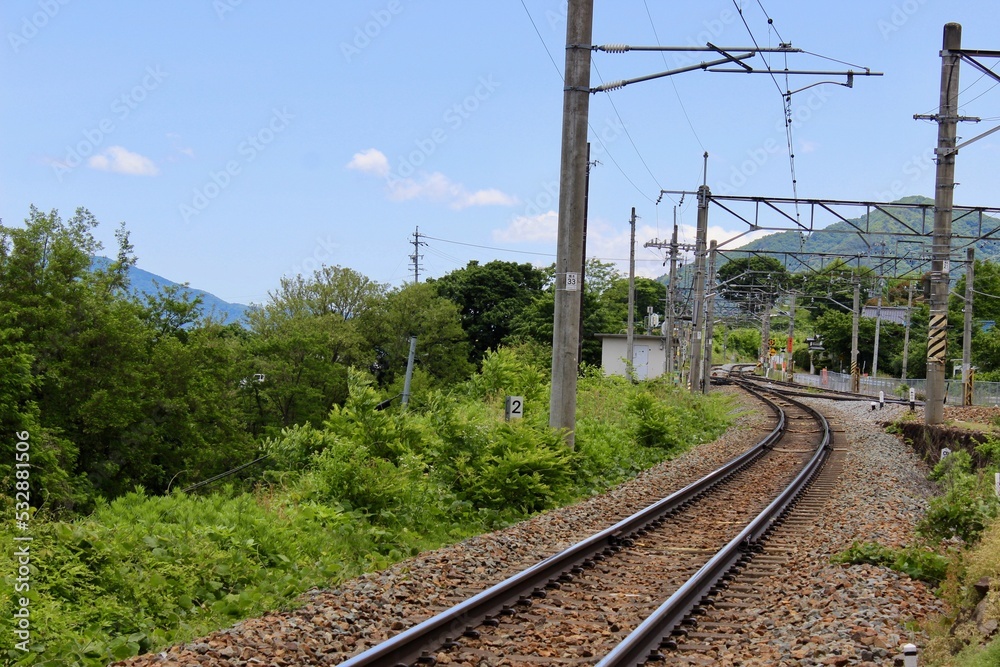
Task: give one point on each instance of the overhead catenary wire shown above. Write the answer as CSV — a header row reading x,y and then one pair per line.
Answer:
x,y
680,101
562,78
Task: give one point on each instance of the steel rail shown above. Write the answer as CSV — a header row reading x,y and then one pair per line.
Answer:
x,y
644,642
413,645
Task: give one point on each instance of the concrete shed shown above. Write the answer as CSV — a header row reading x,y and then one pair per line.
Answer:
x,y
648,357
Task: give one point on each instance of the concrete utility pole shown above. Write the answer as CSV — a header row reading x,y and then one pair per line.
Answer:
x,y
791,336
669,349
856,315
572,191
878,331
630,326
709,316
583,255
970,262
944,197
906,330
416,256
697,316
765,336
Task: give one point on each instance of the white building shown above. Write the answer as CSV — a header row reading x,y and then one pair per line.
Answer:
x,y
648,357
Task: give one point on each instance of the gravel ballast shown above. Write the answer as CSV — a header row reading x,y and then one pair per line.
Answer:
x,y
819,614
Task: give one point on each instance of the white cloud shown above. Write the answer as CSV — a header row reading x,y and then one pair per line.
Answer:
x,y
370,161
489,197
528,228
439,188
609,242
433,186
122,161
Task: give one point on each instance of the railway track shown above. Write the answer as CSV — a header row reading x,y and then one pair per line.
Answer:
x,y
638,588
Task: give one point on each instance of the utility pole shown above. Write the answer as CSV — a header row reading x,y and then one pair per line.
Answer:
x,y
765,336
878,330
855,316
697,316
416,256
791,336
709,316
670,302
944,197
906,331
970,261
572,190
670,350
630,326
583,254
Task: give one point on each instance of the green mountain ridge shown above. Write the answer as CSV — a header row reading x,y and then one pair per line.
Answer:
x,y
914,251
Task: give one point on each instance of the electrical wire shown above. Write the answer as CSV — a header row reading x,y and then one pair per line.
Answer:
x,y
631,140
589,125
542,40
663,55
786,98
486,247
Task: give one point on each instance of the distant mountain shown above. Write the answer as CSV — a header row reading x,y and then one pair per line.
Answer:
x,y
144,282
832,239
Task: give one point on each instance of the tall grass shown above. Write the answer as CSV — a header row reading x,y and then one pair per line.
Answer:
x,y
367,489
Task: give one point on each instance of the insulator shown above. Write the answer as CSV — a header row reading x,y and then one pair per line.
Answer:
x,y
616,48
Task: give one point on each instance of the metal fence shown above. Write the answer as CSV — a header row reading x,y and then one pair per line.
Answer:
x,y
983,393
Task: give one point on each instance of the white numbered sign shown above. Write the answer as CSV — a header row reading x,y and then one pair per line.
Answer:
x,y
572,281
514,408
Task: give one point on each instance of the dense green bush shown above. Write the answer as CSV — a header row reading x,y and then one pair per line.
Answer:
x,y
915,561
967,504
368,488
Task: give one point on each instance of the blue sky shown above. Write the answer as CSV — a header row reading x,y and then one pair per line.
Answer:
x,y
244,140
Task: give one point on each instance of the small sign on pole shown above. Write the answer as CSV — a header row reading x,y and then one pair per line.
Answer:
x,y
514,407
572,281
913,399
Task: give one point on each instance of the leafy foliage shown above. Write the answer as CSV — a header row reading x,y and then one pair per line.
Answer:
x,y
914,561
967,505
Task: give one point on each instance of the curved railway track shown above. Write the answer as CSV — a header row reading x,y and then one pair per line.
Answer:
x,y
636,589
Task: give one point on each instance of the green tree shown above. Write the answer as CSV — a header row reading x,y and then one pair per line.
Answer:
x,y
489,297
416,310
752,281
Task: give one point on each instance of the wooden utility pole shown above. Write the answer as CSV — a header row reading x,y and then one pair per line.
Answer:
x,y
944,197
572,200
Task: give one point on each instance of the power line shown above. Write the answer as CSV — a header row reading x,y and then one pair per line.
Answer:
x,y
674,85
544,45
631,140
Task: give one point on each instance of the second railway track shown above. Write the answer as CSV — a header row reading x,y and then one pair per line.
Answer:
x,y
613,583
